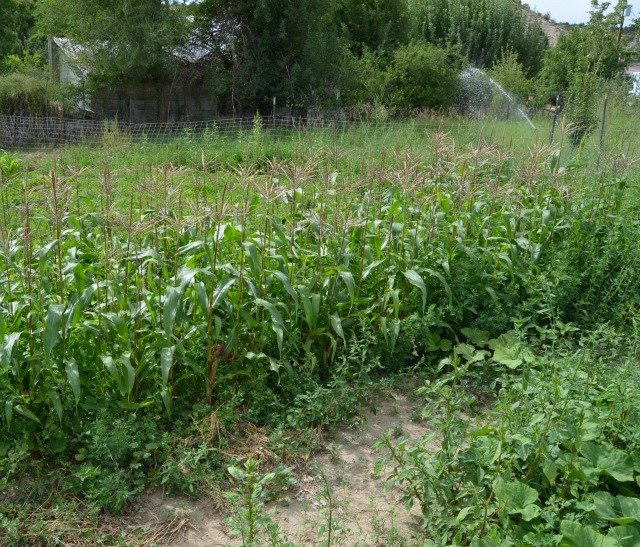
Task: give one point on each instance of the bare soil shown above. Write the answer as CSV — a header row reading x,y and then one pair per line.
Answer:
x,y
365,512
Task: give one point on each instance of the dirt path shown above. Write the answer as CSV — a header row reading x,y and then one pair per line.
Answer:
x,y
365,513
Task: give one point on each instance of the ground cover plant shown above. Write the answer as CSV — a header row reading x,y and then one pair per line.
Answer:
x,y
157,298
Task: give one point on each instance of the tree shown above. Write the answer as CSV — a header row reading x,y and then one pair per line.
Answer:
x,y
485,30
424,76
125,41
16,26
374,25
581,61
288,49
591,48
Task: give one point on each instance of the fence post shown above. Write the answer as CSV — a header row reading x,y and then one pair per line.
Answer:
x,y
602,129
555,119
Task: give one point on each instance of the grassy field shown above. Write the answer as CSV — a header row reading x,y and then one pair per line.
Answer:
x,y
157,295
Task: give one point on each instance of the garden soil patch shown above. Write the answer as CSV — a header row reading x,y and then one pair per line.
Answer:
x,y
365,512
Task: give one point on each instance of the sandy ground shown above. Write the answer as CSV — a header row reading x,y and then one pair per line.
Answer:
x,y
364,511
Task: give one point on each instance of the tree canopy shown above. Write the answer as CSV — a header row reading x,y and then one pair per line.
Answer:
x,y
485,29
305,52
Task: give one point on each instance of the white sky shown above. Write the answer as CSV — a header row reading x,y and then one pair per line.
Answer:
x,y
573,11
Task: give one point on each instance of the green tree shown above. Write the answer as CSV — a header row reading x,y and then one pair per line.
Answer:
x,y
288,49
581,60
591,48
125,41
16,31
510,73
374,25
424,76
485,30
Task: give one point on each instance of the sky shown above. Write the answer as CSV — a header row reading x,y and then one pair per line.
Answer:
x,y
572,11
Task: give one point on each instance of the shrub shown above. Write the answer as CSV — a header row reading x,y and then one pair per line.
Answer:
x,y
30,94
424,76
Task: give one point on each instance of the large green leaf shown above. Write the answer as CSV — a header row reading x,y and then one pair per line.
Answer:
x,y
73,377
614,462
166,362
170,310
130,374
414,278
620,509
276,320
516,497
349,282
24,411
510,351
221,291
336,323
575,534
6,350
626,536
52,323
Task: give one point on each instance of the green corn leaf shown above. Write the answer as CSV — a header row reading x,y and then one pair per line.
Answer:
x,y
8,412
349,281
370,267
6,349
166,399
336,323
52,323
221,291
73,376
202,298
171,304
394,332
107,361
130,376
414,278
284,279
440,277
166,362
57,403
276,321
311,306
20,409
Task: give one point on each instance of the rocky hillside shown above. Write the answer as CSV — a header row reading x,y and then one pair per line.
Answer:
x,y
552,29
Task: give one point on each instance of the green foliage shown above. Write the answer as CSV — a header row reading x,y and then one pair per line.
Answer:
x,y
510,73
128,42
590,48
249,521
582,59
286,49
485,30
30,94
423,76
555,459
374,25
582,102
16,26
270,280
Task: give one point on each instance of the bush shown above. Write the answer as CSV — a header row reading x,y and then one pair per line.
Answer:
x,y
424,76
30,94
510,73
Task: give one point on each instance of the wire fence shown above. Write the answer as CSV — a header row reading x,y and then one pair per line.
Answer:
x,y
23,131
